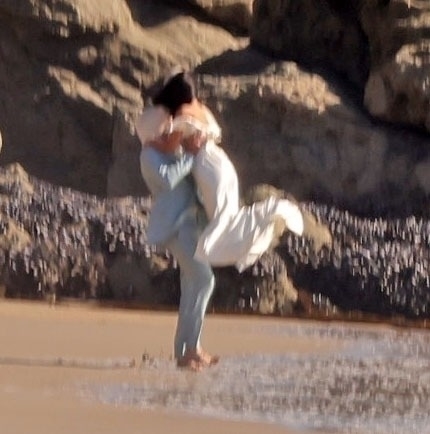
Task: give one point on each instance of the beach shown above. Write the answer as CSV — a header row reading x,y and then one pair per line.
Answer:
x,y
35,399
64,370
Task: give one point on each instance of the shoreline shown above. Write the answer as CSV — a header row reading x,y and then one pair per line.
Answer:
x,y
352,317
39,399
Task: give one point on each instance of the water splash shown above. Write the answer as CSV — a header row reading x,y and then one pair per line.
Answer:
x,y
379,383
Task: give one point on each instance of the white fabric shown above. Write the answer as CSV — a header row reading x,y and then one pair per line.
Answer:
x,y
292,215
189,126
234,235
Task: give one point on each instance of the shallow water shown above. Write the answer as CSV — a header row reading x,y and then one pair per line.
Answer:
x,y
378,383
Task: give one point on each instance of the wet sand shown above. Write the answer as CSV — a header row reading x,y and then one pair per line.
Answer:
x,y
45,399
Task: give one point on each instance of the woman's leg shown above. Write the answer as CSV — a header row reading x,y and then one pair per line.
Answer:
x,y
317,231
240,239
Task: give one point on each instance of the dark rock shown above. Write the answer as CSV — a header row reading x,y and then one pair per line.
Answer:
x,y
56,242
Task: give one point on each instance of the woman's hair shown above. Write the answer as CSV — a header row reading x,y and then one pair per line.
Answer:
x,y
180,89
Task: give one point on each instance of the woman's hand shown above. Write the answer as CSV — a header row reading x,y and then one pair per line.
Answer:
x,y
193,143
167,143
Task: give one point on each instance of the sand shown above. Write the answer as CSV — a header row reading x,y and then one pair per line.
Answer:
x,y
37,399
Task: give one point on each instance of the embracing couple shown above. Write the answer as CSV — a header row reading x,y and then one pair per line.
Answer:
x,y
196,212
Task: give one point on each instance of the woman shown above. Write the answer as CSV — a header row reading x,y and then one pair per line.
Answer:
x,y
235,235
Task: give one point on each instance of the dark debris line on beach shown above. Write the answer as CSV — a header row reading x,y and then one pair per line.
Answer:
x,y
375,265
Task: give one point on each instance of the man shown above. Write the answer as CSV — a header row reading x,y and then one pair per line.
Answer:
x,y
175,224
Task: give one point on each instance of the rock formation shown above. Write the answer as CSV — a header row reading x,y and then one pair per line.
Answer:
x,y
58,242
380,46
398,88
327,100
73,76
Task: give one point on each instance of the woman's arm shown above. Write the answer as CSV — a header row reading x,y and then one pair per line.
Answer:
x,y
167,143
193,143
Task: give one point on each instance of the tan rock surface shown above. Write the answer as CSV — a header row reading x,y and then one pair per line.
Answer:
x,y
398,89
73,76
382,47
236,14
294,130
66,100
313,33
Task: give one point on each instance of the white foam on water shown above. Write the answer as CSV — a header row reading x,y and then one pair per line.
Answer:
x,y
379,384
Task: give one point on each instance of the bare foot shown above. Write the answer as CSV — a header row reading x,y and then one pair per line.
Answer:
x,y
197,360
207,359
190,364
190,360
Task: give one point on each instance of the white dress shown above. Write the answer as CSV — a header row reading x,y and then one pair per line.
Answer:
x,y
235,235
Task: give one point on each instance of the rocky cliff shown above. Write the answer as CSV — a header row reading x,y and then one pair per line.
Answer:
x,y
325,99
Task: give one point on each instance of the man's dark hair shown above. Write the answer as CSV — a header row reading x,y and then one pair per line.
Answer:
x,y
180,89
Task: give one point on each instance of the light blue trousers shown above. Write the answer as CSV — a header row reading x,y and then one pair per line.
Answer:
x,y
197,284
